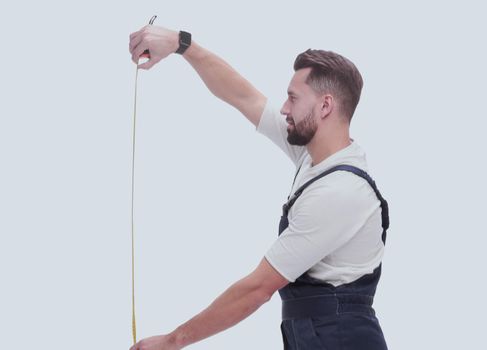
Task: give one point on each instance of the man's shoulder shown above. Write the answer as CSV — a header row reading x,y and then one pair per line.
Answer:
x,y
339,188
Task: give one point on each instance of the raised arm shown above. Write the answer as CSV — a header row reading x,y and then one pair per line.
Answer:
x,y
220,78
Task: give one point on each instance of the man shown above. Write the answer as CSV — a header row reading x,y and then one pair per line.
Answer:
x,y
327,258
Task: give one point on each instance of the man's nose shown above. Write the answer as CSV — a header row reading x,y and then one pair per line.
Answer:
x,y
284,109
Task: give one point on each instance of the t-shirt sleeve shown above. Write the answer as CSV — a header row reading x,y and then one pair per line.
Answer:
x,y
323,220
273,125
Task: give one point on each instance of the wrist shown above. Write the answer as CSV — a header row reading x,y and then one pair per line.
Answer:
x,y
175,41
184,42
178,338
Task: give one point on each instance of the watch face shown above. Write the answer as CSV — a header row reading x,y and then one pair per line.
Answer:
x,y
184,41
185,38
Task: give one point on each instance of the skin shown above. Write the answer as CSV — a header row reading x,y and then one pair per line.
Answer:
x,y
307,113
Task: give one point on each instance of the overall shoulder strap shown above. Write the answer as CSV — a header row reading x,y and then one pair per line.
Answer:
x,y
295,176
356,171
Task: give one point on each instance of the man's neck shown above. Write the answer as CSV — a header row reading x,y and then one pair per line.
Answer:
x,y
323,146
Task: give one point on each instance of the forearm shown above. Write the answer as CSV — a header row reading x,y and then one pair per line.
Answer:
x,y
235,304
225,82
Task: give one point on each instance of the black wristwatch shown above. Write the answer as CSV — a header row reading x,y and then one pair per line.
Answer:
x,y
184,41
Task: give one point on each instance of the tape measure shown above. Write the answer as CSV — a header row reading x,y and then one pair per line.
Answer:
x,y
145,54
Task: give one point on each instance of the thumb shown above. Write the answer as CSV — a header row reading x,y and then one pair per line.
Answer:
x,y
146,65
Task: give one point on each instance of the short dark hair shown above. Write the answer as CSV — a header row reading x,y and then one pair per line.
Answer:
x,y
332,73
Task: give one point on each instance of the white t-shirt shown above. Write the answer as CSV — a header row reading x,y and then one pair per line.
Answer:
x,y
335,226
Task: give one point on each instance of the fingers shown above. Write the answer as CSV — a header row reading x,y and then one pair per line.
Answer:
x,y
147,65
136,37
138,51
139,43
135,40
132,35
136,346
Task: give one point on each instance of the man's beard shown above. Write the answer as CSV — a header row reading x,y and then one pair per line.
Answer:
x,y
302,133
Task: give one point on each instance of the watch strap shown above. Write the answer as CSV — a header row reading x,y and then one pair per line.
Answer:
x,y
184,42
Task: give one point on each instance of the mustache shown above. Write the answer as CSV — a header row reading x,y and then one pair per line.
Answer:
x,y
290,120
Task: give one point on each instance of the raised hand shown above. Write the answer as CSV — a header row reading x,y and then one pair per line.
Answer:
x,y
160,42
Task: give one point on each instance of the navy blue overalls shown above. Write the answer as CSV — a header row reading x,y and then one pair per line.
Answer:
x,y
317,315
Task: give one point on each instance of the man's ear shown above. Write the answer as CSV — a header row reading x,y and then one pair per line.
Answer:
x,y
327,105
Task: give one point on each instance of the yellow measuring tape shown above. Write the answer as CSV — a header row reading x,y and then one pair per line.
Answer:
x,y
134,326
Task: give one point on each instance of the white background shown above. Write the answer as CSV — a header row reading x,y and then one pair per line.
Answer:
x,y
208,187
